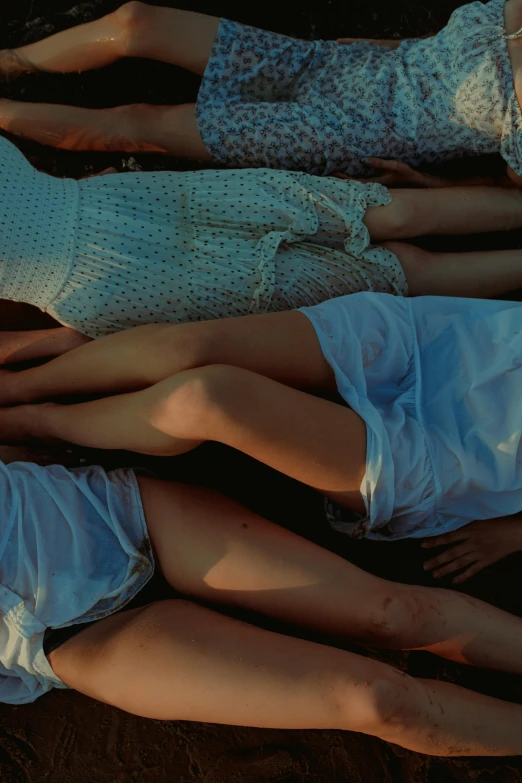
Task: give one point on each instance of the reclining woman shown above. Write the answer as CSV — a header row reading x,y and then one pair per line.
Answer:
x,y
274,101
115,251
74,614
423,440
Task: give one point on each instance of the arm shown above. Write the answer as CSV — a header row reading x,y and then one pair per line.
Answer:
x,y
474,547
38,344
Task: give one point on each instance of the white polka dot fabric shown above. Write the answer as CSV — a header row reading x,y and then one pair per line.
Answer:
x,y
187,246
116,251
38,218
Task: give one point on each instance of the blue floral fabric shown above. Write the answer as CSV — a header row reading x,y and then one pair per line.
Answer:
x,y
320,107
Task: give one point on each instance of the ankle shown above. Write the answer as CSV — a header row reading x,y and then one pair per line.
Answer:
x,y
36,422
17,425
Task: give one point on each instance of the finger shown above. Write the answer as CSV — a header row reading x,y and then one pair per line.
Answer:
x,y
388,165
456,565
469,572
446,557
379,163
446,538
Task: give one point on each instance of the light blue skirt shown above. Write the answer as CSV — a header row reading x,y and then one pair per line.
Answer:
x,y
74,549
437,381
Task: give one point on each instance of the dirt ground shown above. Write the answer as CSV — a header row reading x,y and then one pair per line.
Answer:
x,y
66,738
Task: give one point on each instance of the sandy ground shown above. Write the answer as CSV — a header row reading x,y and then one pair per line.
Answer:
x,y
66,738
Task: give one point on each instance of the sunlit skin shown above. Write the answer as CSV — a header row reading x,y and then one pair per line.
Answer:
x,y
164,354
178,37
458,210
176,660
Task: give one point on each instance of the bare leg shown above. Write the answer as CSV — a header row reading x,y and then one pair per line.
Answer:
x,y
451,211
320,443
183,38
445,211
485,274
142,128
282,346
135,29
175,660
213,549
38,343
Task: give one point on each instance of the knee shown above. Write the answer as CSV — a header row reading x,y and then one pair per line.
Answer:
x,y
403,216
391,614
394,703
384,707
132,20
197,403
417,265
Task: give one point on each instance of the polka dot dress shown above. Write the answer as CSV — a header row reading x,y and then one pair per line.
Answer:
x,y
321,107
188,246
116,251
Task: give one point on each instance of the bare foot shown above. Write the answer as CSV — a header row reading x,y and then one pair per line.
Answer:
x,y
13,64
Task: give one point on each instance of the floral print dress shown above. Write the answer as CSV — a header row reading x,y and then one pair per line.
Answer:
x,y
321,107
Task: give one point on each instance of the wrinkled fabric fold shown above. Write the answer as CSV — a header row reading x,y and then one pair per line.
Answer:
x,y
183,247
322,107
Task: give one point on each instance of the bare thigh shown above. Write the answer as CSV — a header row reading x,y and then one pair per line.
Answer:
x,y
282,346
212,548
174,660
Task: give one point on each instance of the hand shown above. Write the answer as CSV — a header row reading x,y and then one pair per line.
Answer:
x,y
474,547
399,173
390,43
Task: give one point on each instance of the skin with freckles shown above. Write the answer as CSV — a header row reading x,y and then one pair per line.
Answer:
x,y
176,660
